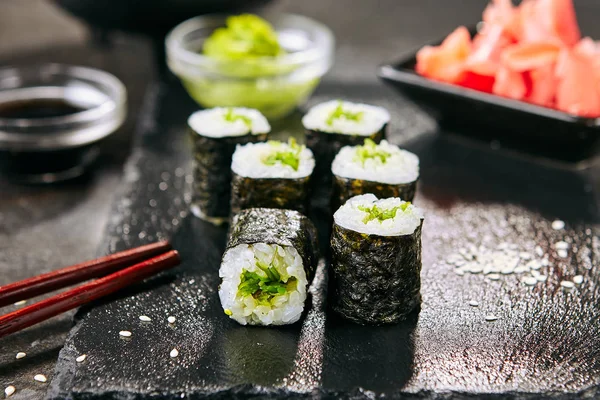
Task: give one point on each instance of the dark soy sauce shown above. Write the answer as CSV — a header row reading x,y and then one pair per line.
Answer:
x,y
38,108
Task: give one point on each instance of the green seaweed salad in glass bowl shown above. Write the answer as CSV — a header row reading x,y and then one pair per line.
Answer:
x,y
272,65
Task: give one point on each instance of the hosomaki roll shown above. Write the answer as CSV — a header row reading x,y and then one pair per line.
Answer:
x,y
271,175
376,259
267,267
335,124
215,134
382,169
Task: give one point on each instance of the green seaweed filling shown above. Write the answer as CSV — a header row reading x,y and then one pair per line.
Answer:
x,y
339,112
380,214
244,36
289,157
232,117
265,289
369,150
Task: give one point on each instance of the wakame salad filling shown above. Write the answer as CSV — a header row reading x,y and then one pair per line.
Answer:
x,y
263,284
367,214
273,159
383,162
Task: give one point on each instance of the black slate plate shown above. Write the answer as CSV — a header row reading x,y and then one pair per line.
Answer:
x,y
546,341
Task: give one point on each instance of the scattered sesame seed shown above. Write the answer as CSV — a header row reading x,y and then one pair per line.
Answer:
x,y
520,269
490,317
545,262
81,358
474,303
567,284
507,270
494,277
20,303
557,225
10,390
171,319
539,251
475,269
20,355
174,353
562,253
525,256
125,334
561,245
145,318
535,273
541,278
578,279
459,272
529,280
40,378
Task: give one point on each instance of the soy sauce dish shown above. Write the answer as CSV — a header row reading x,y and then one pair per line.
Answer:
x,y
52,119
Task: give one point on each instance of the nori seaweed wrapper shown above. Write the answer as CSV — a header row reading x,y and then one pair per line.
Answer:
x,y
345,188
326,145
284,193
276,226
375,279
211,190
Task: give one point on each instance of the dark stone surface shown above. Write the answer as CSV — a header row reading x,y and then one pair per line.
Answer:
x,y
546,341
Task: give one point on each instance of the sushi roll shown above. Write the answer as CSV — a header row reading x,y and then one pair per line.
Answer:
x,y
269,262
335,124
376,259
382,169
215,134
272,175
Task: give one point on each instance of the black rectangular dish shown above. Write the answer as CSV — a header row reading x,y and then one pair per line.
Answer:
x,y
508,123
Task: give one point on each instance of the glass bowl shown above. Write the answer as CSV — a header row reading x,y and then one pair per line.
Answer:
x,y
52,118
272,85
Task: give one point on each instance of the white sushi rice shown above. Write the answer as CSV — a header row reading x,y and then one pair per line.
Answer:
x,y
371,121
213,122
284,308
400,166
248,161
350,216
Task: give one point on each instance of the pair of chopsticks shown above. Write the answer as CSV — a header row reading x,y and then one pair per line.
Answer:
x,y
114,271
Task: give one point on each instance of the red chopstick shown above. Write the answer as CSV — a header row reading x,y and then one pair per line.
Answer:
x,y
84,271
35,313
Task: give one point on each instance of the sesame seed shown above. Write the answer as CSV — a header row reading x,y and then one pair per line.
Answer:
x,y
474,303
494,277
562,253
20,355
557,225
171,319
578,279
507,270
145,318
475,269
40,378
529,280
490,317
539,251
10,390
125,334
545,262
520,269
20,303
81,358
561,245
567,284
541,278
174,353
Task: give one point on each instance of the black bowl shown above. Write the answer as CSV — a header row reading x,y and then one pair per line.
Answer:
x,y
505,122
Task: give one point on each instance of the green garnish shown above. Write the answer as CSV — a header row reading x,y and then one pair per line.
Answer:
x,y
381,215
289,157
339,112
232,117
369,150
264,289
228,312
244,36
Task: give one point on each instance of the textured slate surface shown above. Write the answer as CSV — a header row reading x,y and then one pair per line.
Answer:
x,y
545,342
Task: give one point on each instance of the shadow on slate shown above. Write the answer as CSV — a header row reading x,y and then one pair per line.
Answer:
x,y
546,342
